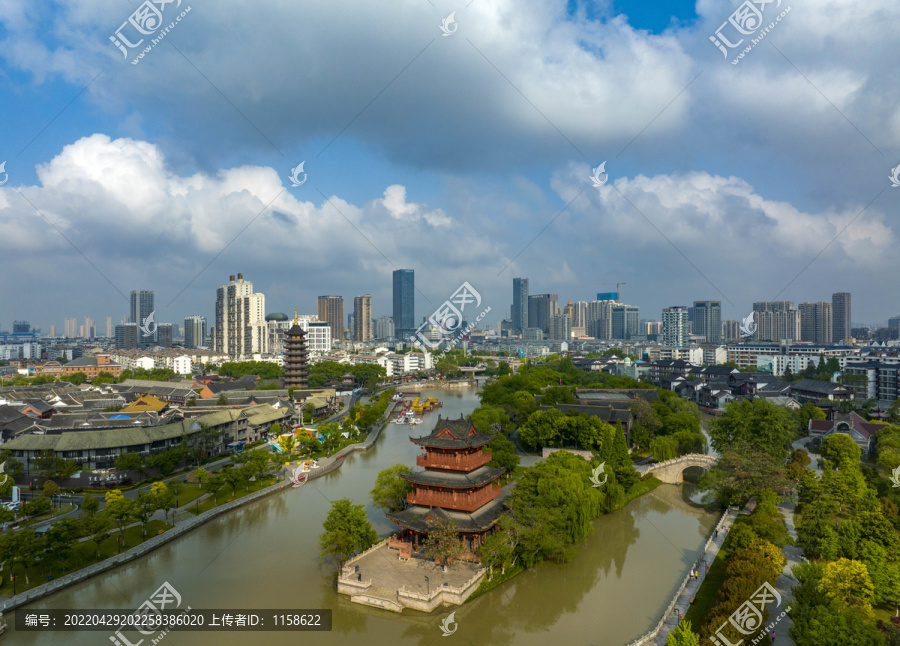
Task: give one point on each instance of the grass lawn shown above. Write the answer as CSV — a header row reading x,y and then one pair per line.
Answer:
x,y
487,585
189,493
82,555
706,595
53,513
646,485
225,495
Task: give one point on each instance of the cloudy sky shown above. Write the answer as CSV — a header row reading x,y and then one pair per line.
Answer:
x,y
466,156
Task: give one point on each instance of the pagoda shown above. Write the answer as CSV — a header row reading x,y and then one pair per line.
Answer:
x,y
296,357
456,484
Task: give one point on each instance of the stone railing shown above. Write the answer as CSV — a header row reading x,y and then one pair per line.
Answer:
x,y
652,634
692,457
376,546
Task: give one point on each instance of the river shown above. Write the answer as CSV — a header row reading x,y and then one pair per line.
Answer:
x,y
266,556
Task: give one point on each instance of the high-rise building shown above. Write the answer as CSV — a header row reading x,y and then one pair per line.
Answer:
x,y
708,320
894,323
816,322
52,331
21,327
142,305
350,330
164,335
127,336
626,321
362,318
652,328
90,330
404,303
731,330
519,313
109,327
540,308
776,321
296,356
580,314
675,326
598,321
71,328
384,327
840,316
560,327
194,331
240,319
331,310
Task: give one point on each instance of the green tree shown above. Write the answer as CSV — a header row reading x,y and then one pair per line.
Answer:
x,y
37,506
847,585
234,478
739,475
443,543
163,497
503,454
222,400
129,462
213,484
121,510
681,635
840,449
201,475
89,506
286,442
664,448
76,378
499,549
755,424
347,531
145,505
390,489
50,488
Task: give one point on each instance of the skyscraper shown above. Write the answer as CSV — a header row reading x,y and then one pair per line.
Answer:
x,y
164,335
90,330
109,327
675,326
404,303
708,320
626,321
71,328
520,304
127,336
362,318
331,310
540,308
560,327
816,322
240,319
776,321
141,307
384,327
194,331
840,312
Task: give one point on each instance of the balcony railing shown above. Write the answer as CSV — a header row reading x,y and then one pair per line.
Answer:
x,y
453,500
456,462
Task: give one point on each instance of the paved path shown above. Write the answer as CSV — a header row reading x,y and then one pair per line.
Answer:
x,y
786,581
690,590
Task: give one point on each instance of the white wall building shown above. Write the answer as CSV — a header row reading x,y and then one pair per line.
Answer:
x,y
183,365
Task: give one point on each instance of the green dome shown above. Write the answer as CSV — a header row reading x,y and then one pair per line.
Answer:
x,y
277,316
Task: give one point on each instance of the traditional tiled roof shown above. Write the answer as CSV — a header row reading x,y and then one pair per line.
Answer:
x,y
814,386
479,520
453,434
456,480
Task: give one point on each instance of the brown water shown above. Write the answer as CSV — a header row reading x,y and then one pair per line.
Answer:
x,y
266,556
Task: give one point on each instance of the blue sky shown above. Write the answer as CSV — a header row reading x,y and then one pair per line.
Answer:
x,y
467,157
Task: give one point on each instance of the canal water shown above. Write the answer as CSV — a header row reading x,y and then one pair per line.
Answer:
x,y
266,556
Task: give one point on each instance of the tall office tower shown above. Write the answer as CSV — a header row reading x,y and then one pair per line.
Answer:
x,y
540,308
164,335
560,328
598,320
127,336
351,328
52,330
569,310
653,327
675,326
109,327
384,327
22,327
90,330
331,310
519,313
580,314
816,322
708,320
71,328
240,319
194,331
362,318
626,321
142,305
894,323
404,303
840,312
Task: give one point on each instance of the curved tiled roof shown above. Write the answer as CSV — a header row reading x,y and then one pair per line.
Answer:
x,y
455,480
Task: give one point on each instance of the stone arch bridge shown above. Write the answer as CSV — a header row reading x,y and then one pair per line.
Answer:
x,y
670,471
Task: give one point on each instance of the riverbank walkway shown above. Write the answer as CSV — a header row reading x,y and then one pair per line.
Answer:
x,y
690,587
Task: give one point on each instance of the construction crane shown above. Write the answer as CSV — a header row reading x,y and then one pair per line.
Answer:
x,y
617,289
